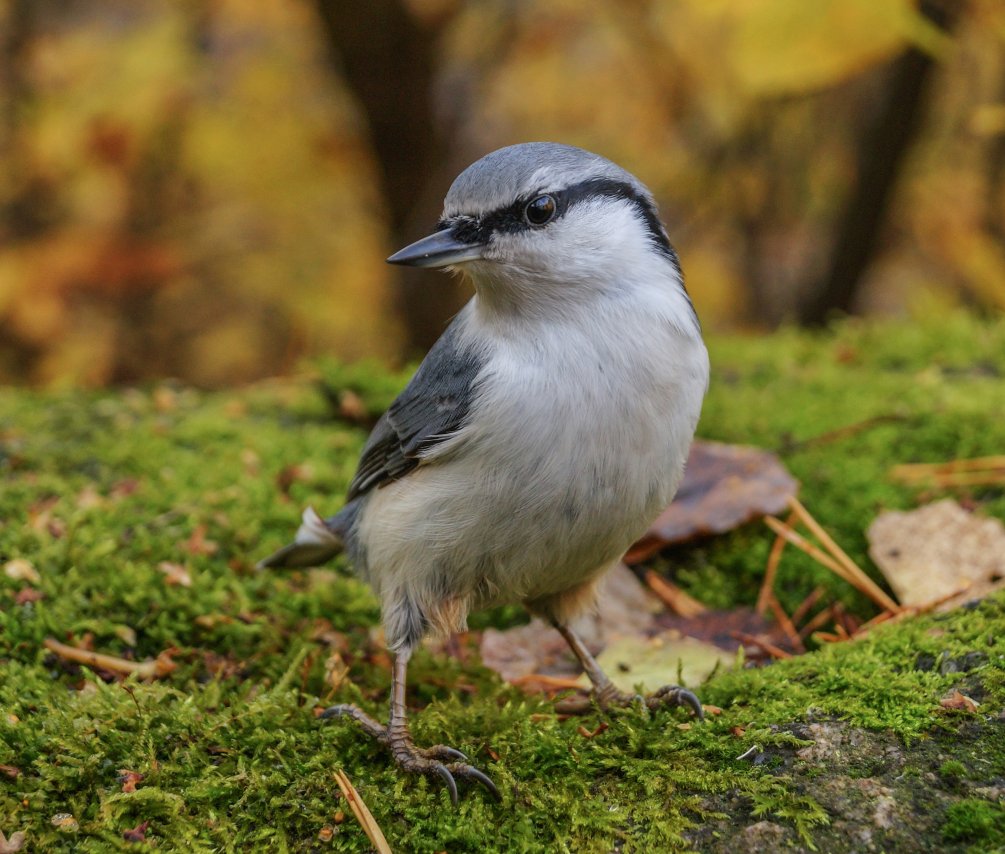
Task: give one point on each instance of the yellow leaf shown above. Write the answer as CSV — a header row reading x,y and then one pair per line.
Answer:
x,y
791,46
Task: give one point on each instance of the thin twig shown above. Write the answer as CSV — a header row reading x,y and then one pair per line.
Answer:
x,y
968,478
817,621
870,624
774,557
770,648
786,624
921,471
804,607
362,813
912,611
804,545
864,582
843,432
675,599
560,683
150,669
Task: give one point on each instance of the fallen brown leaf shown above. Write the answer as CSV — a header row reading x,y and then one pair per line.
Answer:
x,y
624,607
336,671
175,573
123,488
719,627
724,486
959,702
939,550
136,834
20,569
129,779
10,770
12,845
88,498
197,543
64,821
28,594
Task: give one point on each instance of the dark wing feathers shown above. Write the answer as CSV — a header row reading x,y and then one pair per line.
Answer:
x,y
433,406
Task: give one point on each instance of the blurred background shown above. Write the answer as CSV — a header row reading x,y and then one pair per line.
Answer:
x,y
207,189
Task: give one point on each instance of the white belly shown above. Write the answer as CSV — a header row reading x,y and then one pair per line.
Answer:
x,y
572,449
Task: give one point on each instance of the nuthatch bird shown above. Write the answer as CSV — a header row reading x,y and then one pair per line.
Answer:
x,y
543,432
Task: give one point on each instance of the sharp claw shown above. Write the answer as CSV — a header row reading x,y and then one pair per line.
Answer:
x,y
448,778
453,753
484,779
689,699
332,712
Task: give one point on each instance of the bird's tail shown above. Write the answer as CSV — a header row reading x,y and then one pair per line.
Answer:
x,y
317,541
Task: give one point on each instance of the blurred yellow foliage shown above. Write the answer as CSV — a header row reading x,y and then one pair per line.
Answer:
x,y
191,189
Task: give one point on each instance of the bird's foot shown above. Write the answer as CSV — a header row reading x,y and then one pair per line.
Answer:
x,y
608,696
446,763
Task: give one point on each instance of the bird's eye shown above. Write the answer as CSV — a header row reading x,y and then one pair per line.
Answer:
x,y
540,211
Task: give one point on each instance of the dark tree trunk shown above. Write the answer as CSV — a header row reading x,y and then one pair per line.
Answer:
x,y
882,151
386,56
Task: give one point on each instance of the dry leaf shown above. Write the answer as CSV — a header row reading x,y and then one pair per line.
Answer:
x,y
251,461
28,594
21,570
88,498
136,834
624,606
663,660
724,486
336,670
12,845
959,702
198,544
175,573
129,779
123,488
935,551
10,770
65,822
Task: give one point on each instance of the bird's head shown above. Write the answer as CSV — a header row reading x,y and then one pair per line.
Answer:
x,y
542,223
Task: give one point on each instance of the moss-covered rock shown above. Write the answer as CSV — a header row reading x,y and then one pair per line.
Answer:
x,y
98,491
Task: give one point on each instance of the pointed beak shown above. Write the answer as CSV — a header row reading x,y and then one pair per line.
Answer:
x,y
438,250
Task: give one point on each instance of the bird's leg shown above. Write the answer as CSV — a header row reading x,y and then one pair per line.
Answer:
x,y
607,694
439,761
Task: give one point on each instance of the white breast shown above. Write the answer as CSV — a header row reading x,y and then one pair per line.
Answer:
x,y
577,439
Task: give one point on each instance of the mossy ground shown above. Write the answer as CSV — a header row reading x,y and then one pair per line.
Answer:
x,y
99,488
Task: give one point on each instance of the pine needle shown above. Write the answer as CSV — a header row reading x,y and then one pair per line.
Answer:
x,y
774,558
675,599
151,669
362,813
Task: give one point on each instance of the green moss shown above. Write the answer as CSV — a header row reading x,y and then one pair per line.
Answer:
x,y
977,822
98,489
953,769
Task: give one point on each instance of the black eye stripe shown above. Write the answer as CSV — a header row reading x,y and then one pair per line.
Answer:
x,y
511,220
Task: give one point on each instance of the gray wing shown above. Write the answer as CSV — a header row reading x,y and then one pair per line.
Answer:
x,y
433,406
